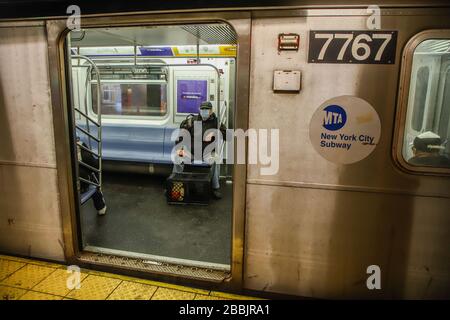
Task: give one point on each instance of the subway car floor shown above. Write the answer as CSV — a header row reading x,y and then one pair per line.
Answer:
x,y
139,220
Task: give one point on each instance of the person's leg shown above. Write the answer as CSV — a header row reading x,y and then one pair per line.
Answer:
x,y
215,181
99,202
215,176
178,168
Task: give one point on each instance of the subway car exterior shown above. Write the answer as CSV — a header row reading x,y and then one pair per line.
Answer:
x,y
318,226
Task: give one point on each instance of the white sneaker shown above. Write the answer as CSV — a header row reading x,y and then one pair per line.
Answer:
x,y
102,212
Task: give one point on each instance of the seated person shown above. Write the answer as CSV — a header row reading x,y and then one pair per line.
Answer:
x,y
85,173
209,121
426,147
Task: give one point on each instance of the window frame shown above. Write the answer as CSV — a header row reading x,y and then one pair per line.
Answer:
x,y
132,117
402,103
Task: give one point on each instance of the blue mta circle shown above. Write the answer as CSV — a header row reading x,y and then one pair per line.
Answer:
x,y
334,117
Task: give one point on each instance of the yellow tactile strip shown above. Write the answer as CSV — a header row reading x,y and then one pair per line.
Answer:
x,y
28,276
28,279
8,267
94,288
9,293
32,295
171,294
128,290
56,283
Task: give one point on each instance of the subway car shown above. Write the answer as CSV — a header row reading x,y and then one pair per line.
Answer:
x,y
357,97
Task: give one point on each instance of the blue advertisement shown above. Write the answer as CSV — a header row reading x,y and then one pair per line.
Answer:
x,y
190,94
156,51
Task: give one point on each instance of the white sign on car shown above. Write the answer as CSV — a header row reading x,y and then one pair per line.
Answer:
x,y
345,129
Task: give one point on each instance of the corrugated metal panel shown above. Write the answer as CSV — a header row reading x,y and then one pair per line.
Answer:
x,y
434,46
212,33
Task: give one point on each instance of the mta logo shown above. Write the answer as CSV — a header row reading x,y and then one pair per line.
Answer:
x,y
335,117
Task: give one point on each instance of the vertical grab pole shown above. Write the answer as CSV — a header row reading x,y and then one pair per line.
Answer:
x,y
218,100
219,117
198,46
99,129
88,81
135,54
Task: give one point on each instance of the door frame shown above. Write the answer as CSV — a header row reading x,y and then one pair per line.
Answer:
x,y
56,33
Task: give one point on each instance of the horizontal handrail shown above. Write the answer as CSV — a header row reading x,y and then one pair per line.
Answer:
x,y
88,166
89,181
87,117
88,150
87,133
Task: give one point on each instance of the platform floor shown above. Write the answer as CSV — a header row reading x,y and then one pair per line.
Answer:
x,y
139,220
27,279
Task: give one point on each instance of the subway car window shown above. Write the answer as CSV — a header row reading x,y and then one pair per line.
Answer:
x,y
427,131
132,99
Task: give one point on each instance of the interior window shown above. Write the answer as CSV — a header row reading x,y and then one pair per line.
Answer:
x,y
430,101
131,99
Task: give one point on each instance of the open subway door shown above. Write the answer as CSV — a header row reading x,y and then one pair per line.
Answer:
x,y
148,87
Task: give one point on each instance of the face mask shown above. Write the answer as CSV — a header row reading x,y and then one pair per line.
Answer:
x,y
204,113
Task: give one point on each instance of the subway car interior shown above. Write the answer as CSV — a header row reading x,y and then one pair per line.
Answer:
x,y
131,88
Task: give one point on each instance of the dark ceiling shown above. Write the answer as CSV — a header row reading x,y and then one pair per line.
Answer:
x,y
51,8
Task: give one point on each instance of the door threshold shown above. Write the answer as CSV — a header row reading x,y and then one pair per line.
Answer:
x,y
155,264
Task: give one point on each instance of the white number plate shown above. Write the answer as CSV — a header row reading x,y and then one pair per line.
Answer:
x,y
369,47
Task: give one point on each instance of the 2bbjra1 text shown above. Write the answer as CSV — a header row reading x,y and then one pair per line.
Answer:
x,y
226,309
